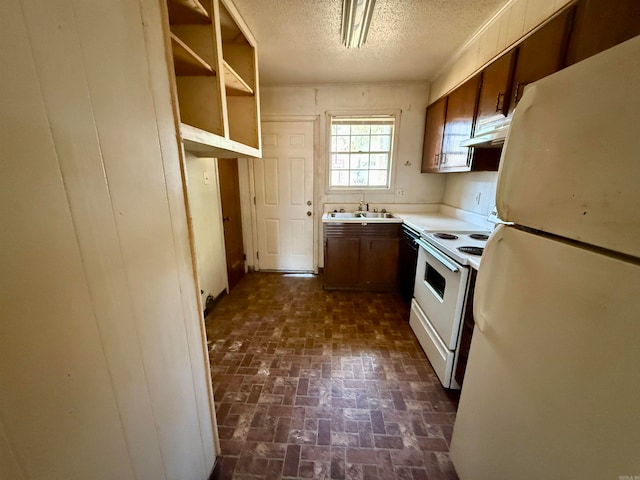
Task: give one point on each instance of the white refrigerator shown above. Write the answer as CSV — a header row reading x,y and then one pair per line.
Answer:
x,y
552,386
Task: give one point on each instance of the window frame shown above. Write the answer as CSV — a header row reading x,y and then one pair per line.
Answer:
x,y
396,114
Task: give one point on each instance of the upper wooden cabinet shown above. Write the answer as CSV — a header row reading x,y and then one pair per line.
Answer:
x,y
495,90
601,24
448,122
461,109
216,77
541,54
433,132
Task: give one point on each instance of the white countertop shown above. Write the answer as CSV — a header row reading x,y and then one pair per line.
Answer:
x,y
435,222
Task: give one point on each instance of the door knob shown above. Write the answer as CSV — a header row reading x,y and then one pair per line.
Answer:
x,y
309,214
309,202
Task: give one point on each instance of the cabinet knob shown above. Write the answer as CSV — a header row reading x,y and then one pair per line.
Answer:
x,y
309,214
309,202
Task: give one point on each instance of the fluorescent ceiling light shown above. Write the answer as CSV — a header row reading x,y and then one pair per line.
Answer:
x,y
356,18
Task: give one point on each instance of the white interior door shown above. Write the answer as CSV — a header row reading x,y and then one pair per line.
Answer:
x,y
284,196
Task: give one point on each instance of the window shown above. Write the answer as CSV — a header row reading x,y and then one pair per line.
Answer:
x,y
361,151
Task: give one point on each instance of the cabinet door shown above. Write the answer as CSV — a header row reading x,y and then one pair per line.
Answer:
x,y
433,131
379,261
601,24
341,259
542,54
495,90
461,108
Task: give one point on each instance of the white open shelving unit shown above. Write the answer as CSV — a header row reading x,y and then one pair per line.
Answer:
x,y
216,73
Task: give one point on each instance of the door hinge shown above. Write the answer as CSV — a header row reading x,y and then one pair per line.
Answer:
x,y
258,255
254,199
244,256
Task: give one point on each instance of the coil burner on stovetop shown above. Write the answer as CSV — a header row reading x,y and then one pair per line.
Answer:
x,y
445,236
472,250
479,236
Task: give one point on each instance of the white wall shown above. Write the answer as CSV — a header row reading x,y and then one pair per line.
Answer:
x,y
103,366
411,99
461,190
498,34
206,215
318,100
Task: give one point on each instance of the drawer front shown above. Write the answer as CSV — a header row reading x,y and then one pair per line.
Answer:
x,y
440,357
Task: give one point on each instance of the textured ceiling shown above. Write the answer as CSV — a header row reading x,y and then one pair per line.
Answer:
x,y
409,40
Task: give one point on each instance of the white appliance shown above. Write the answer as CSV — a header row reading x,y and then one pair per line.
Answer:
x,y
440,291
552,386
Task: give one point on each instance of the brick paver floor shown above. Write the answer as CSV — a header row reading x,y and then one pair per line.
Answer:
x,y
319,384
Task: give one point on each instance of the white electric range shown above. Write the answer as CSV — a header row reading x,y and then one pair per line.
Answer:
x,y
440,293
464,247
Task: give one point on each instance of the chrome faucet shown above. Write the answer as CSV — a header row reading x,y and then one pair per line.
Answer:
x,y
361,205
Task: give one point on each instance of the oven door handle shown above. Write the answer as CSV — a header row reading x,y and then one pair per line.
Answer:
x,y
440,257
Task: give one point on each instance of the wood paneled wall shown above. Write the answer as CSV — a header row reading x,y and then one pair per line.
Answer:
x,y
103,364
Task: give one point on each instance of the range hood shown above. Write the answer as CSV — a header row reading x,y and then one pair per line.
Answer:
x,y
490,132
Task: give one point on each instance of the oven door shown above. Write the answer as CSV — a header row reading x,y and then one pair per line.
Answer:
x,y
440,289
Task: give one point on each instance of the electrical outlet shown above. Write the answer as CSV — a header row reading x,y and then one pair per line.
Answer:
x,y
478,195
207,178
401,192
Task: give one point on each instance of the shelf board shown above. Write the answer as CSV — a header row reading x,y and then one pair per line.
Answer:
x,y
206,144
234,83
187,12
188,62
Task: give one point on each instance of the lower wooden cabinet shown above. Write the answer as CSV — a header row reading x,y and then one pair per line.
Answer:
x,y
361,256
341,260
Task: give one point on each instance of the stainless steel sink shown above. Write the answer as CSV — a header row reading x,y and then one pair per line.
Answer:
x,y
344,215
361,216
377,215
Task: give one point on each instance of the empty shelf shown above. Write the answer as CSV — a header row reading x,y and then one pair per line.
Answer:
x,y
185,12
234,83
206,144
186,61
